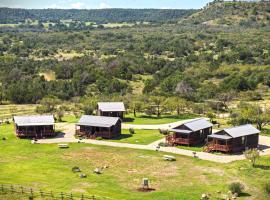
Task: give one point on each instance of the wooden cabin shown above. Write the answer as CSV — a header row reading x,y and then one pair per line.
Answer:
x,y
111,109
191,133
98,126
34,126
233,140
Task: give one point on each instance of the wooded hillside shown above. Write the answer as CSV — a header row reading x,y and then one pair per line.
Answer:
x,y
10,15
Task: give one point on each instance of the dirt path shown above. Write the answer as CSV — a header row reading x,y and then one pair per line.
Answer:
x,y
69,130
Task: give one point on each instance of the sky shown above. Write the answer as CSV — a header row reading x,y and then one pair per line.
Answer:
x,y
99,4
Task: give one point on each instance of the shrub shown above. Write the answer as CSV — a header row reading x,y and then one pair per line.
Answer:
x,y
163,144
267,188
99,138
131,131
163,132
236,188
252,155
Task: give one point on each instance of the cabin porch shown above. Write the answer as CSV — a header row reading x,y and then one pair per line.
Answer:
x,y
93,132
183,139
35,131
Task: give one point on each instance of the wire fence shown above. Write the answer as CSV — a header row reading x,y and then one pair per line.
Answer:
x,y
31,194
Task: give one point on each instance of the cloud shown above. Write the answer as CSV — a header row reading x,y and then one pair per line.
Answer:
x,y
104,5
77,5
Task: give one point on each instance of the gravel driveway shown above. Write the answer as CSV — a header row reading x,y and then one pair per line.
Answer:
x,y
69,130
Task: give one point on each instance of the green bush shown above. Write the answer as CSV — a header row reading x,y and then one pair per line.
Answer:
x,y
131,131
163,144
163,132
99,138
236,188
267,188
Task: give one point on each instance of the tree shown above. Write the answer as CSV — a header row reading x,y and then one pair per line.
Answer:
x,y
211,116
157,104
176,104
136,106
60,113
1,94
48,104
226,97
252,155
251,113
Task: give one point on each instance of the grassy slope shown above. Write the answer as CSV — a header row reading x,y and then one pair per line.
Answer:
x,y
7,111
49,168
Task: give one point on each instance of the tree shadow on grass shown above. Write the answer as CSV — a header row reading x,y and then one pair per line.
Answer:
x,y
264,167
128,119
244,194
122,136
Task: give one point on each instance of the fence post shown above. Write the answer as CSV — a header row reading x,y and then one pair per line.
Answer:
x,y
41,193
51,194
62,196
12,189
22,189
31,193
82,198
93,197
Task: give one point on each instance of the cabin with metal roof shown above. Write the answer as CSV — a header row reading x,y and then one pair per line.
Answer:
x,y
37,126
233,140
98,126
192,132
111,109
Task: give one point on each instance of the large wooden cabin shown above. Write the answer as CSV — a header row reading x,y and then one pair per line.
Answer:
x,y
233,140
190,133
98,126
34,126
111,109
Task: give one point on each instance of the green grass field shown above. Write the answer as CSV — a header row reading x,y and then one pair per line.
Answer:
x,y
140,136
48,168
151,120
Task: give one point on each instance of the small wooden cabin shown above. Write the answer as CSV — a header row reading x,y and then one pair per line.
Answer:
x,y
233,140
111,109
34,126
98,126
190,133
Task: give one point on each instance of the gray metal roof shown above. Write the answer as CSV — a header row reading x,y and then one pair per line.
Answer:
x,y
97,121
111,106
240,131
180,131
198,124
35,120
224,137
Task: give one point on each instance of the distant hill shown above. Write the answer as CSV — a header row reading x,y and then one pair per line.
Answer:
x,y
228,13
10,15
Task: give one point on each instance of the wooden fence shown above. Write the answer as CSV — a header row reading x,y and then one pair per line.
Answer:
x,y
32,194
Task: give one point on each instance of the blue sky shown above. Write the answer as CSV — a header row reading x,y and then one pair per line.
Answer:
x,y
91,4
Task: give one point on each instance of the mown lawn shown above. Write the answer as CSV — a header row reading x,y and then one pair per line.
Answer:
x,y
70,119
140,136
48,168
151,120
